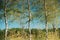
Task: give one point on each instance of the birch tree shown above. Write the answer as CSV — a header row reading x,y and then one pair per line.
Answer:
x,y
45,8
6,21
50,11
29,20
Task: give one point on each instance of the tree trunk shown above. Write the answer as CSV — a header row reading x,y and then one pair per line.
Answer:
x,y
29,20
46,28
6,27
45,9
23,32
55,20
53,28
6,22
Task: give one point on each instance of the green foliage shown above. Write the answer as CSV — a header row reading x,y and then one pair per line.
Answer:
x,y
2,35
1,4
59,32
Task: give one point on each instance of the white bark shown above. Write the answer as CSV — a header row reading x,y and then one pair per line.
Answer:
x,y
6,21
29,20
45,8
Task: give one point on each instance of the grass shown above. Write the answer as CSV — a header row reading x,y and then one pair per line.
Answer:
x,y
17,34
51,36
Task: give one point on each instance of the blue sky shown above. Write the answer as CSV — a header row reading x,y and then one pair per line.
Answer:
x,y
17,25
33,24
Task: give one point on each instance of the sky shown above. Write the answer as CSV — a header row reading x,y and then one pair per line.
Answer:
x,y
16,25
